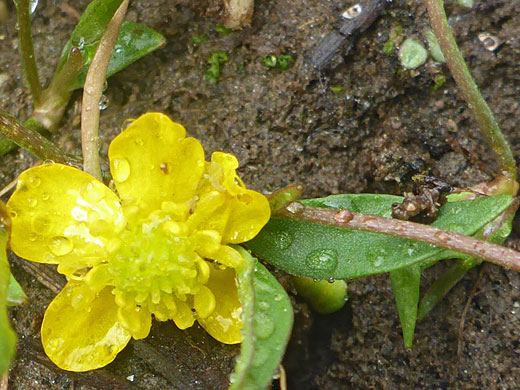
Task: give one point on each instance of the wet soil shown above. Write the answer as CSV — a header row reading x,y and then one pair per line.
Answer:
x,y
364,124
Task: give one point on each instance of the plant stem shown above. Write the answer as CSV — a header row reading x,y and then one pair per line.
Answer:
x,y
405,229
460,72
92,92
34,142
27,50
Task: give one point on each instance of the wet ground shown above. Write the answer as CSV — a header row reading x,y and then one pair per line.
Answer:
x,y
364,124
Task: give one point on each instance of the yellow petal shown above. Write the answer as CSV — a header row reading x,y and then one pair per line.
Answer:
x,y
224,323
82,338
250,211
152,162
137,320
227,256
222,173
183,316
64,216
204,302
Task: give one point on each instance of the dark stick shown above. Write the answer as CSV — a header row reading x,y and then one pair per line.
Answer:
x,y
363,15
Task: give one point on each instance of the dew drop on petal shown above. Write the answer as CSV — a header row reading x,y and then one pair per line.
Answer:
x,y
32,202
120,169
93,192
61,246
35,181
45,196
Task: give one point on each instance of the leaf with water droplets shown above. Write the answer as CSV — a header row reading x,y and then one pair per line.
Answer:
x,y
359,253
135,40
268,319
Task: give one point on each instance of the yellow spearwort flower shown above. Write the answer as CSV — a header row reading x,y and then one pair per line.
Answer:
x,y
158,246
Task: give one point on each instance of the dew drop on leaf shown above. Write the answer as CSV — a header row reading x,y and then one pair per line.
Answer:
x,y
322,260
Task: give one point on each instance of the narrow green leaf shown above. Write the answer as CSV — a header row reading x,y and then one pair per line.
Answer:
x,y
268,319
443,285
450,277
7,335
134,42
15,294
322,252
405,283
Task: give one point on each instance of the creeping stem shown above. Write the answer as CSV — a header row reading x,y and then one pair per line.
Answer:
x,y
469,88
92,92
27,50
405,229
34,142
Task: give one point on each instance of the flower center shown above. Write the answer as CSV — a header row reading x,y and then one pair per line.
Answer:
x,y
156,258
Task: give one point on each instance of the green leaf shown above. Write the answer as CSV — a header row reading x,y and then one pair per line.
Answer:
x,y
322,251
405,283
134,42
268,319
7,335
90,27
15,293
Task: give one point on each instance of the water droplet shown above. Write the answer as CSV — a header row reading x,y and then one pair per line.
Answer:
x,y
81,43
61,246
283,240
35,181
352,12
120,169
379,261
322,260
93,191
33,237
260,357
295,208
264,325
490,41
139,141
278,297
32,202
45,196
33,5
104,102
331,280
263,305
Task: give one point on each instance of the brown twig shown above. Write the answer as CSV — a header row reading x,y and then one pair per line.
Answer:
x,y
92,92
405,229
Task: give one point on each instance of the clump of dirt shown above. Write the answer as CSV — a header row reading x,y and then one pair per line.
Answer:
x,y
362,125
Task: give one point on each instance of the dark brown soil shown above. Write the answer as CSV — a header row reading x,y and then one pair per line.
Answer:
x,y
386,125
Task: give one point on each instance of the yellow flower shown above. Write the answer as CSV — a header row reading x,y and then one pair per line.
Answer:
x,y
158,246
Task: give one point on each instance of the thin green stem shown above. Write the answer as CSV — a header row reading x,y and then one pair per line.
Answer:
x,y
92,92
462,76
34,142
27,50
